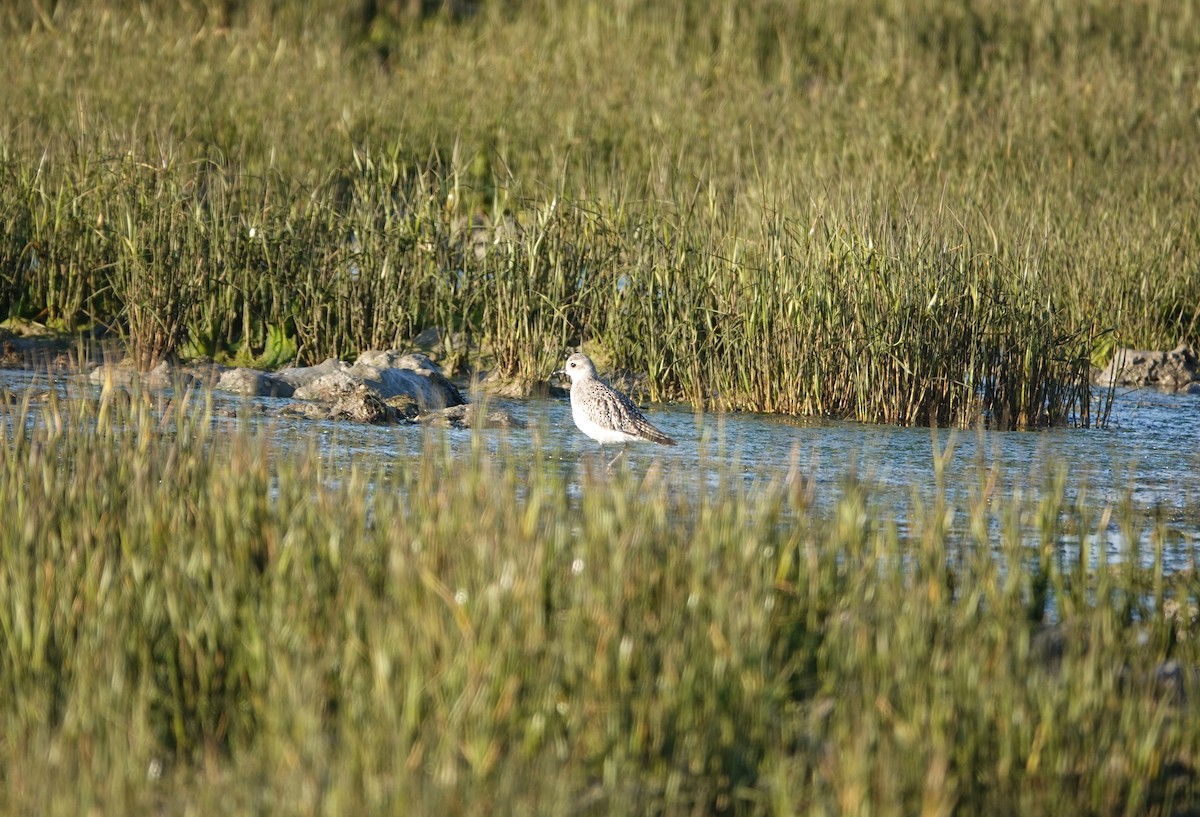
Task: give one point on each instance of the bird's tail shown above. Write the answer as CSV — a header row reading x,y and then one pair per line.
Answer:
x,y
655,436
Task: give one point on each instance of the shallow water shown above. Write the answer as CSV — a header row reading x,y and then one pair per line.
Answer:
x,y
1149,455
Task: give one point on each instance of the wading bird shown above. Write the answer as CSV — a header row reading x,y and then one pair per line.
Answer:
x,y
603,413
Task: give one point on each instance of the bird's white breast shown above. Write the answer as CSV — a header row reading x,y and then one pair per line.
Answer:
x,y
600,433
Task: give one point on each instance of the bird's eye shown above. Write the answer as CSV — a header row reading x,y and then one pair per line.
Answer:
x,y
572,365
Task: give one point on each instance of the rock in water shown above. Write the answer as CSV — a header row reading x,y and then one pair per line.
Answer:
x,y
1175,370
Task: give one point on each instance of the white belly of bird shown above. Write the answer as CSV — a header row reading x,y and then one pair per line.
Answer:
x,y
600,433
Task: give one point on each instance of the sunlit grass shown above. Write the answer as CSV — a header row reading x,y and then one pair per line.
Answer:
x,y
911,212
192,618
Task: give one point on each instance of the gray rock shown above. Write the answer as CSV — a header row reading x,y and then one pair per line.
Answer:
x,y
405,406
360,405
470,416
112,374
298,376
1175,370
387,374
160,377
394,373
328,387
125,374
253,383
306,411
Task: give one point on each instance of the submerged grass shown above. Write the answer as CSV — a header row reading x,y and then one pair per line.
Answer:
x,y
194,620
908,212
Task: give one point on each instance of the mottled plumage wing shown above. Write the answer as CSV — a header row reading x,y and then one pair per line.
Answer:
x,y
614,410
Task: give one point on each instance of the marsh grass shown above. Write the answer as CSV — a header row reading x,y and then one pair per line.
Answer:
x,y
922,213
194,620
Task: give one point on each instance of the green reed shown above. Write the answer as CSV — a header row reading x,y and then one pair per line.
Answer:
x,y
918,214
194,618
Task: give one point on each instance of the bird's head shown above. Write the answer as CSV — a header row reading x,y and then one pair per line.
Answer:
x,y
578,365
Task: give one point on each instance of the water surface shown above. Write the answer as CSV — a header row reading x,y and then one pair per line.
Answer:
x,y
1148,456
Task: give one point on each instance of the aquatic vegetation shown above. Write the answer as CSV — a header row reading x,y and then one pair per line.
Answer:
x,y
192,619
912,213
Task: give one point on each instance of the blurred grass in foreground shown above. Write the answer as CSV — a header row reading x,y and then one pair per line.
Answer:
x,y
912,212
194,622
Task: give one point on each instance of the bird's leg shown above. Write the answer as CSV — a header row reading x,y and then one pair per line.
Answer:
x,y
619,454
